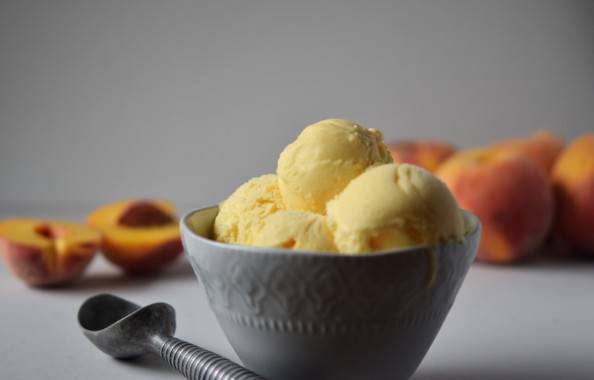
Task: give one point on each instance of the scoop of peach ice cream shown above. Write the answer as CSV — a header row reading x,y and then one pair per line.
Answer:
x,y
243,213
323,159
302,231
394,206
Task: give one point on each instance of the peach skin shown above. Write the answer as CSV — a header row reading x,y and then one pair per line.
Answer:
x,y
44,253
510,194
573,179
139,235
428,154
543,147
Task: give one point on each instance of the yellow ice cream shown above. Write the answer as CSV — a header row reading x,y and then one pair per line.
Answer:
x,y
393,206
243,213
297,230
337,190
323,159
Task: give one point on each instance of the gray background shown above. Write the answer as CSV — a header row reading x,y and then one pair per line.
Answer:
x,y
107,99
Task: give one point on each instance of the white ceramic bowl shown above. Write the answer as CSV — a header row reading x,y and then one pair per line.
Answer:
x,y
300,315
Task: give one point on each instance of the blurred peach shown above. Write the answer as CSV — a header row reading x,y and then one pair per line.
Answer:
x,y
573,178
42,252
543,147
428,154
511,195
139,235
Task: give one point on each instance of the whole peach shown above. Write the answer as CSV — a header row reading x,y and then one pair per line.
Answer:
x,y
573,179
428,154
510,194
543,147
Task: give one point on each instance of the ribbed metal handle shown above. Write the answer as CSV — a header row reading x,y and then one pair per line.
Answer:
x,y
196,363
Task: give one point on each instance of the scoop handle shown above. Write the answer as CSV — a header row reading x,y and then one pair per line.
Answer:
x,y
196,363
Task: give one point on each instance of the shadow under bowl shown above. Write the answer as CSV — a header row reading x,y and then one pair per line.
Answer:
x,y
299,315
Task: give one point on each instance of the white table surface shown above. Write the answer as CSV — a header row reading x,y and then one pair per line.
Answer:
x,y
528,322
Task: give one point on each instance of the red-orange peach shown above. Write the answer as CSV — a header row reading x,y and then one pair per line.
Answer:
x,y
573,178
47,252
543,147
510,194
428,154
138,235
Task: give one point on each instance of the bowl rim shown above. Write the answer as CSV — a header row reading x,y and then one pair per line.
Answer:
x,y
185,229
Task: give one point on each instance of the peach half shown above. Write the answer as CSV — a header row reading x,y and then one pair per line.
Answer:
x,y
511,195
139,235
573,179
428,154
44,253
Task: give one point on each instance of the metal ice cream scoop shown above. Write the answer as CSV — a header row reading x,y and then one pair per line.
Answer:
x,y
123,329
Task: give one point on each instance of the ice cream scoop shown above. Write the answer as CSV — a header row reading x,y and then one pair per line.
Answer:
x,y
302,231
123,329
323,159
394,206
242,213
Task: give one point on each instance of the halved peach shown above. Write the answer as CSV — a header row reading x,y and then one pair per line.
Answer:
x,y
44,252
139,235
